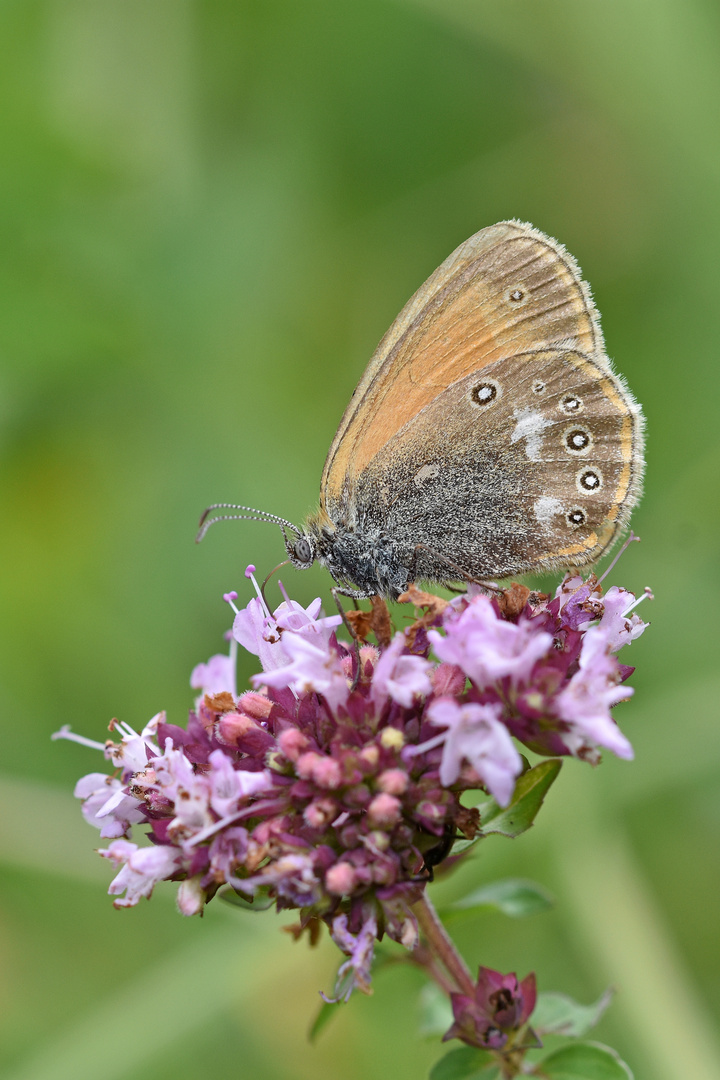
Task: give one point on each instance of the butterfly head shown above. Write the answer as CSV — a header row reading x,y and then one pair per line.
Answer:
x,y
301,549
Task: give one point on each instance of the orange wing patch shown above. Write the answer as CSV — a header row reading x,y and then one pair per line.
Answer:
x,y
505,291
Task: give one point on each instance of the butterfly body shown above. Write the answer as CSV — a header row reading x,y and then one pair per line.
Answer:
x,y
489,435
364,558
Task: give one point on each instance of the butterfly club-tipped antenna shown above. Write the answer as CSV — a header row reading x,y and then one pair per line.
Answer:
x,y
252,515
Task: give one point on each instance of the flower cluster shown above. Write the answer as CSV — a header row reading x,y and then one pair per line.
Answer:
x,y
335,784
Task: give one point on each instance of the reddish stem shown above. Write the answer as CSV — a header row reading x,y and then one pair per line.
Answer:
x,y
424,958
442,945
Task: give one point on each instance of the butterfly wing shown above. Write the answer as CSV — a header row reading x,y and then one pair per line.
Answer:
x,y
507,289
489,427
529,464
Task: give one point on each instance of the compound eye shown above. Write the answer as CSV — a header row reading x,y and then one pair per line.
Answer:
x,y
302,551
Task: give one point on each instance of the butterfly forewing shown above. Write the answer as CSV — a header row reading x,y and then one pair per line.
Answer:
x,y
506,290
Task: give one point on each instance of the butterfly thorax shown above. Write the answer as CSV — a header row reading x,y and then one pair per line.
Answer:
x,y
368,561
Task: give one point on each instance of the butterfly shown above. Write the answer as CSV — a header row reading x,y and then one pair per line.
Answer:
x,y
489,435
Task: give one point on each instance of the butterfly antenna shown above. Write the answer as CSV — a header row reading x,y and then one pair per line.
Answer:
x,y
253,515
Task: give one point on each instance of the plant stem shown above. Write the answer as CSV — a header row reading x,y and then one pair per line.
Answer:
x,y
426,959
442,945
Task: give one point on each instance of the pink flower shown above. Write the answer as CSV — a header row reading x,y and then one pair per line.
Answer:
x,y
258,633
402,678
229,785
143,868
618,627
188,790
217,676
132,752
191,896
293,876
475,734
262,634
489,648
293,616
106,806
315,667
360,948
585,701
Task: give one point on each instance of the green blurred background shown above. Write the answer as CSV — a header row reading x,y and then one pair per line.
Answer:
x,y
210,212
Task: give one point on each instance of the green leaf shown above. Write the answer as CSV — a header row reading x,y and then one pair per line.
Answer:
x,y
583,1061
324,1014
530,791
466,1063
436,1014
513,896
556,1014
260,902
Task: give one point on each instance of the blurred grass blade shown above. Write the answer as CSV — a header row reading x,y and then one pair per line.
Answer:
x,y
322,1018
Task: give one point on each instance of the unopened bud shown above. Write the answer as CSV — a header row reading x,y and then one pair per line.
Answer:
x,y
340,879
190,896
384,810
393,781
392,739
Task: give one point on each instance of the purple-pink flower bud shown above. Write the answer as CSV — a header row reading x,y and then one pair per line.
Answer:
x,y
254,704
448,679
500,1006
292,743
340,880
324,771
384,811
393,781
320,813
236,729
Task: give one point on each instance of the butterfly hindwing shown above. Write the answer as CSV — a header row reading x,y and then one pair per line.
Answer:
x,y
522,465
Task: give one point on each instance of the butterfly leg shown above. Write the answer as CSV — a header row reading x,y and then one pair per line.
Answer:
x,y
354,594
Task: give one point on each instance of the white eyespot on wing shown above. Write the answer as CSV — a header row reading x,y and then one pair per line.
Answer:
x,y
529,425
428,472
545,508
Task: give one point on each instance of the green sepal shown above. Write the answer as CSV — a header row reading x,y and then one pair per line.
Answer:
x,y
259,902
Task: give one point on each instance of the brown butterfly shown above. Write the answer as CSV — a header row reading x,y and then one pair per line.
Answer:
x,y
489,435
